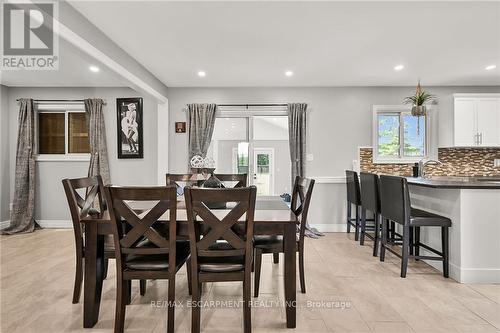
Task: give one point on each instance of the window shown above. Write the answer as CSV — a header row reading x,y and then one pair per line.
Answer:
x,y
398,136
62,131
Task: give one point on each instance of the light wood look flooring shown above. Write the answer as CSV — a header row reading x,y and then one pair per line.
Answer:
x,y
348,290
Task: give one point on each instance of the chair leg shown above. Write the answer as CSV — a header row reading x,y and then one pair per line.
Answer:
x,y
356,225
392,230
302,269
411,240
362,227
142,287
349,208
383,243
105,271
171,303
276,258
258,264
445,250
121,300
247,311
376,219
196,310
416,243
189,276
406,249
78,279
128,290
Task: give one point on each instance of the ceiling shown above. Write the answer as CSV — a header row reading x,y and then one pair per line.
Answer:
x,y
73,72
324,43
245,44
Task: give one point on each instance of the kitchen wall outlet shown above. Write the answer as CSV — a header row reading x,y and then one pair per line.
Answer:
x,y
496,163
309,157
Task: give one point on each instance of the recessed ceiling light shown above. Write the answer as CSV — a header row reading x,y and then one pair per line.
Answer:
x,y
399,67
202,74
490,67
94,69
288,73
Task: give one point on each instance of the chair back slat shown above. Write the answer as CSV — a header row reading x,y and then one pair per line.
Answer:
x,y
217,231
395,199
80,207
370,192
132,228
301,198
239,178
353,192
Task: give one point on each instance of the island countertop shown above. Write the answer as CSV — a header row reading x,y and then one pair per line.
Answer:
x,y
456,182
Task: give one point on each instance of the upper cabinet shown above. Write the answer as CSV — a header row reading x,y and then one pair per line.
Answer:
x,y
477,120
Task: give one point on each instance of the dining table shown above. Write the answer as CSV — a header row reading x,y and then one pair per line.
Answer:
x,y
272,217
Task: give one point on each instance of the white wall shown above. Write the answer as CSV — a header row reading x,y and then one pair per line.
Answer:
x,y
50,199
339,121
4,155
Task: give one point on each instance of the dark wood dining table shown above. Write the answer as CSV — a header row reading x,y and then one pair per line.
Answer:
x,y
272,217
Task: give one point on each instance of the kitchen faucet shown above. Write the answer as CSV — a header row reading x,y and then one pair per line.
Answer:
x,y
422,165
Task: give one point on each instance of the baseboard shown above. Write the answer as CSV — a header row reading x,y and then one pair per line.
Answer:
x,y
4,224
330,227
55,224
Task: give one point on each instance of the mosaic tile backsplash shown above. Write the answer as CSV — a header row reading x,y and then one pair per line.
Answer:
x,y
457,162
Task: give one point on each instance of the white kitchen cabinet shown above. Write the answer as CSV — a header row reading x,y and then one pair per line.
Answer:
x,y
477,120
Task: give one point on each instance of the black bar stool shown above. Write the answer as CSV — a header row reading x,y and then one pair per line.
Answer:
x,y
370,200
396,206
353,198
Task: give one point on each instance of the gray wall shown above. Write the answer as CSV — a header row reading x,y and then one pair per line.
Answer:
x,y
339,121
50,199
4,154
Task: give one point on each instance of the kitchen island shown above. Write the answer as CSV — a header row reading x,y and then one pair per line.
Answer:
x,y
473,205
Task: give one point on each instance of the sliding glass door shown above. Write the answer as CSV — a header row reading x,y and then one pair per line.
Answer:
x,y
256,145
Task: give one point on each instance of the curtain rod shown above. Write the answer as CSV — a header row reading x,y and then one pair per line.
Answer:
x,y
58,100
247,105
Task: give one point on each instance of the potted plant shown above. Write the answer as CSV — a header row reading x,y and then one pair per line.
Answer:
x,y
418,100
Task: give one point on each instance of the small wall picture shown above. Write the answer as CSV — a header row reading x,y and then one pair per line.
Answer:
x,y
180,127
129,127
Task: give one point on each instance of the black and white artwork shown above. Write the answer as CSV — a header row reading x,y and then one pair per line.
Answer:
x,y
129,127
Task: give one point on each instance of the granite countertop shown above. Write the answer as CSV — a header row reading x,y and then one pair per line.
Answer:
x,y
456,182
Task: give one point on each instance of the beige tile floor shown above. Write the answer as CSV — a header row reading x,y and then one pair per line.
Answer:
x,y
364,295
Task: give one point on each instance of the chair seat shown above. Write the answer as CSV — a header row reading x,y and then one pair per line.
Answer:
x,y
420,217
157,262
221,264
269,242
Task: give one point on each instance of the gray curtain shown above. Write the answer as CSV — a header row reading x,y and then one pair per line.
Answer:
x,y
200,122
297,138
97,139
23,205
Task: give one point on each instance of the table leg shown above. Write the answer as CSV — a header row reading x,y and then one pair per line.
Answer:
x,y
290,249
94,268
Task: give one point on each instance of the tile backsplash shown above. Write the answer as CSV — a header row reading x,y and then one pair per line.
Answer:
x,y
458,162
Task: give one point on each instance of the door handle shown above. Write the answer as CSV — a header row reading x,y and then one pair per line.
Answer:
x,y
476,138
481,138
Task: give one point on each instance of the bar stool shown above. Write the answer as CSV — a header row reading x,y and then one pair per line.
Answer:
x,y
396,206
370,200
353,198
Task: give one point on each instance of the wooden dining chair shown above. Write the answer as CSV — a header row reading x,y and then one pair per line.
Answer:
x,y
82,205
176,178
143,251
239,179
301,198
222,250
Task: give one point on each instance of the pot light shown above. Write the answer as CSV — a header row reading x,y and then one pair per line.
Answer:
x,y
490,67
202,74
94,69
399,67
288,73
